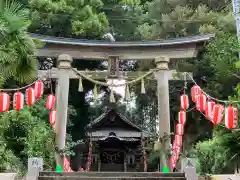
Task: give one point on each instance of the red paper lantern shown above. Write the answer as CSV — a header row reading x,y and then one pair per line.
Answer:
x,y
181,117
38,88
176,149
50,103
184,102
178,140
201,102
218,111
18,101
81,169
175,157
177,152
66,165
174,145
173,161
179,129
53,118
174,165
195,91
209,109
230,117
30,96
4,102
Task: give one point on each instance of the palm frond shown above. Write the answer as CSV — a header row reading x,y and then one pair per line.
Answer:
x,y
17,48
15,9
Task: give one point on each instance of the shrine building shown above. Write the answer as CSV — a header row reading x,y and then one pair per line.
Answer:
x,y
118,144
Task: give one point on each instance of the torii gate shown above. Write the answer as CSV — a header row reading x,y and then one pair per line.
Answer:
x,y
159,51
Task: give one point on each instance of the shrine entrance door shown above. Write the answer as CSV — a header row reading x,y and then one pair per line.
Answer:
x,y
112,154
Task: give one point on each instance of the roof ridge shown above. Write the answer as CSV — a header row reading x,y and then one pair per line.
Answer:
x,y
124,118
86,42
128,121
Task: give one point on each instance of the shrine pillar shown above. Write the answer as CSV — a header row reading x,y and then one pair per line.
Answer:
x,y
162,76
64,69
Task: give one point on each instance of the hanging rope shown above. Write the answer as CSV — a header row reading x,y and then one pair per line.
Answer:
x,y
113,85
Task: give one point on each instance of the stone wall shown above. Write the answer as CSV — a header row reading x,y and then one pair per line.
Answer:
x,y
8,176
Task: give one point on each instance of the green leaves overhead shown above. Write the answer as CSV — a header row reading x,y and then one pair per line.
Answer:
x,y
68,18
222,54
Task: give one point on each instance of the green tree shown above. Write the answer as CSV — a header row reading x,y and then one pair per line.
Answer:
x,y
9,161
221,56
17,48
28,136
68,18
220,154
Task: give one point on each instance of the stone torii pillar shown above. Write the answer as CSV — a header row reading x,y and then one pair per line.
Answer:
x,y
64,69
162,76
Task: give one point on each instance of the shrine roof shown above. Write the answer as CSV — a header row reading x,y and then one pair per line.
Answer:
x,y
95,43
120,138
108,113
119,133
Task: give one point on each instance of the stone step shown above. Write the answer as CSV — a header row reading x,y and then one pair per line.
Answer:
x,y
114,174
107,178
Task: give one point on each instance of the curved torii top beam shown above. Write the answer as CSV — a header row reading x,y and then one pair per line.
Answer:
x,y
185,47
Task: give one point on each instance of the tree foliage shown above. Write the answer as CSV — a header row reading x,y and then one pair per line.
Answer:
x,y
68,18
17,48
26,136
220,154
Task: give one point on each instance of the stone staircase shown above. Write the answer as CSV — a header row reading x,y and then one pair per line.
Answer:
x,y
111,176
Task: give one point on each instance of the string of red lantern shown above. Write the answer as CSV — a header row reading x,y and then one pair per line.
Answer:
x,y
214,112
196,90
66,165
177,143
31,94
89,161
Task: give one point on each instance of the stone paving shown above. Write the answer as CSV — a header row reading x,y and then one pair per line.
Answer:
x,y
111,176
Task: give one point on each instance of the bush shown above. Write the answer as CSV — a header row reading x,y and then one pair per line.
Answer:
x,y
209,156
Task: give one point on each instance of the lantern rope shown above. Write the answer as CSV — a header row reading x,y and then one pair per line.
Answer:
x,y
189,110
208,96
24,87
21,88
114,85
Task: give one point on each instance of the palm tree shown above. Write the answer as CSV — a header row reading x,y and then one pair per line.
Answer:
x,y
17,47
